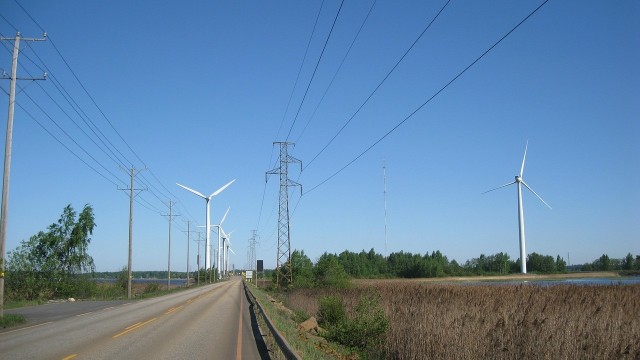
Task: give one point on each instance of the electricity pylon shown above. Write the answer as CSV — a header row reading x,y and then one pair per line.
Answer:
x,y
284,239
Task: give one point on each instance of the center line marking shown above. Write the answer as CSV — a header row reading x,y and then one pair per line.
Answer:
x,y
133,327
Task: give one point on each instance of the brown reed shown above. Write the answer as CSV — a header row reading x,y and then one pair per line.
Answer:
x,y
499,321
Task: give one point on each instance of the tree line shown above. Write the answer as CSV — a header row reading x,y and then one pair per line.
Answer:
x,y
335,269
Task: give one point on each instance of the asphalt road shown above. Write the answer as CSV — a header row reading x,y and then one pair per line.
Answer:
x,y
210,322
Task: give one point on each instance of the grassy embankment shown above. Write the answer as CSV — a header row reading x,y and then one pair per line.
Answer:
x,y
431,320
9,320
286,321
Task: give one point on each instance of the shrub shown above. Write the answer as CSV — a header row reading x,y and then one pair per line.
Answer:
x,y
331,311
364,330
151,288
329,273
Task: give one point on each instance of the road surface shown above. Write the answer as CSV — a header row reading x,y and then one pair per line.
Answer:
x,y
210,322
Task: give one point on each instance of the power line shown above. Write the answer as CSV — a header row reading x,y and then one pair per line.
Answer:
x,y
337,71
97,107
379,84
8,22
80,112
70,137
295,84
65,146
81,84
315,69
429,99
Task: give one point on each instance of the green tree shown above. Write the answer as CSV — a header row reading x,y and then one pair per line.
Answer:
x,y
329,272
302,269
627,263
540,263
53,263
603,263
561,265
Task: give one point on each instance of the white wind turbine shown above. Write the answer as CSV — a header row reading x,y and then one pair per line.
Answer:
x,y
207,253
519,182
228,248
220,233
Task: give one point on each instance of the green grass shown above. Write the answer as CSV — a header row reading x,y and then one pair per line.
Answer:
x,y
9,320
21,303
307,347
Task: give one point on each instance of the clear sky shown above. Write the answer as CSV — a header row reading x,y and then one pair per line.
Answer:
x,y
200,90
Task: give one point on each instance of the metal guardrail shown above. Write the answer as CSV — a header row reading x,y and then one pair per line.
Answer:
x,y
284,346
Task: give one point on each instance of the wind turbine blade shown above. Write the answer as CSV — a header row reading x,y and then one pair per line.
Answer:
x,y
193,191
229,236
500,187
530,189
523,158
225,215
230,249
221,189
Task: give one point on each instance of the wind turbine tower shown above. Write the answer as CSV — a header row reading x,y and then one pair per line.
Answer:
x,y
519,181
207,253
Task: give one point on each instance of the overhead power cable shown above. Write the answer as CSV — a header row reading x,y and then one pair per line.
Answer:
x,y
337,71
430,98
8,22
70,137
64,60
314,70
379,84
108,145
94,103
295,84
64,145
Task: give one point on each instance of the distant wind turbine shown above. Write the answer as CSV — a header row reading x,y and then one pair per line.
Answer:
x,y
207,253
226,248
220,253
519,182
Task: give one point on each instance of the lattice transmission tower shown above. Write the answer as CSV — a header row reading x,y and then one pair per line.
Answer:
x,y
283,259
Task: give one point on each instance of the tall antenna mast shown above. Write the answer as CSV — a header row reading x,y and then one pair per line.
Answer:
x,y
384,174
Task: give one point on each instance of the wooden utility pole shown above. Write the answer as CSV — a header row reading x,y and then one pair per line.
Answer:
x,y
132,173
188,252
198,258
171,216
7,156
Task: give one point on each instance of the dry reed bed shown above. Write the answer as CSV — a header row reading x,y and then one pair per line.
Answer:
x,y
500,321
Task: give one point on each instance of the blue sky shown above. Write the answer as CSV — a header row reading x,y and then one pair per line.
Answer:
x,y
199,90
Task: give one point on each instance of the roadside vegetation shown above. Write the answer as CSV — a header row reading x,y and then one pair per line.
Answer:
x,y
55,264
401,319
9,320
427,320
305,344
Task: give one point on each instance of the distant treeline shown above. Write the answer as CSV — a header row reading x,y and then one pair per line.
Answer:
x,y
408,265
